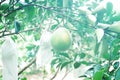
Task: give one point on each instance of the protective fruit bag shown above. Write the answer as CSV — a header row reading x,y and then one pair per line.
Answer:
x,y
9,60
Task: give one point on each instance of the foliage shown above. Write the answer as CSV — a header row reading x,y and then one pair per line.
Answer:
x,y
24,21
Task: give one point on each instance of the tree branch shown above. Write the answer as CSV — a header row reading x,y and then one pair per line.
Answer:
x,y
55,74
28,65
21,7
17,33
66,73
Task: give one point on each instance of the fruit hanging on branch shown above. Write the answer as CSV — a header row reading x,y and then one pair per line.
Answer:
x,y
61,39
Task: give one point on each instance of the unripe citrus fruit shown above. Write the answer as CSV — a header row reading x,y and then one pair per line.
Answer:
x,y
61,39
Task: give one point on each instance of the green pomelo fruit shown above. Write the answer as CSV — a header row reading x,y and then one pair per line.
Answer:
x,y
61,39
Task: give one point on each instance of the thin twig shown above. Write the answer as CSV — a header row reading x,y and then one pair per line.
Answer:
x,y
55,74
6,34
18,33
66,73
28,65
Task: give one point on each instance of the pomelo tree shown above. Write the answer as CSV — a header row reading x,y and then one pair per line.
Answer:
x,y
83,32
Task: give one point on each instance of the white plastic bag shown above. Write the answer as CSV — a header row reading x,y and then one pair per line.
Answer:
x,y
44,54
9,59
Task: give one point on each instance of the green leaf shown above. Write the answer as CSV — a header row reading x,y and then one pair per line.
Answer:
x,y
116,65
24,78
40,12
30,54
115,53
115,17
11,16
59,65
103,49
15,37
106,76
105,67
106,56
117,74
67,3
30,46
1,26
82,55
97,67
26,1
17,26
98,75
70,3
96,48
59,3
1,16
54,61
29,33
77,65
116,47
37,36
65,55
48,12
109,7
100,15
64,64
85,62
54,26
4,6
30,11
